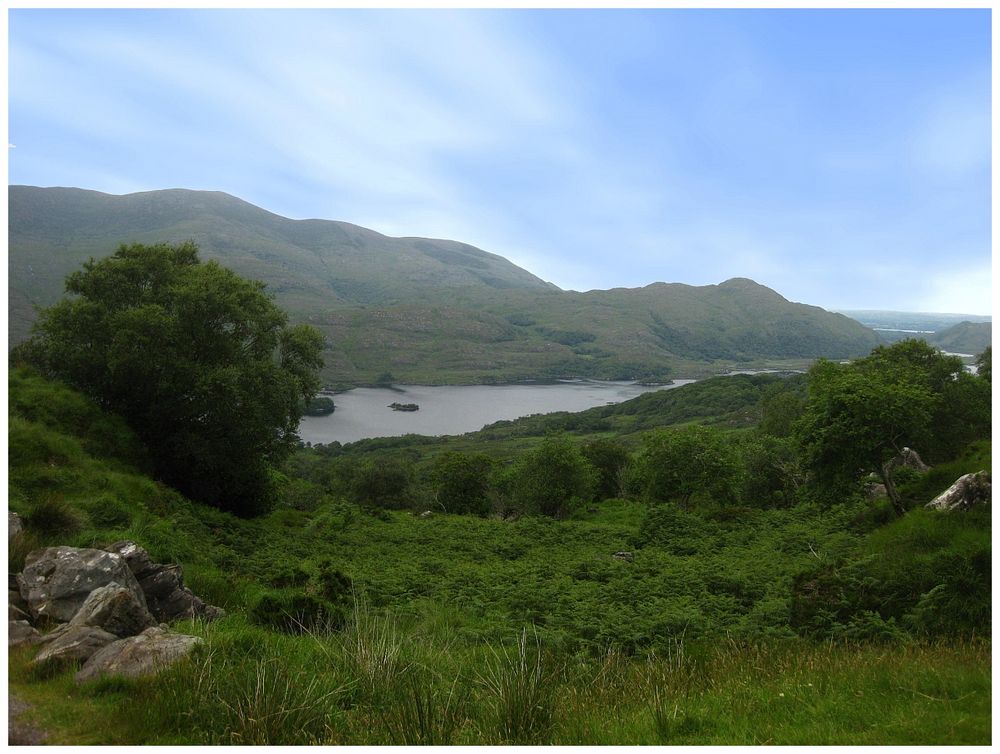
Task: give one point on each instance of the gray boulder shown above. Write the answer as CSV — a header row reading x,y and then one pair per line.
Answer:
x,y
146,654
114,609
54,634
909,458
967,491
56,581
75,644
20,632
16,613
163,586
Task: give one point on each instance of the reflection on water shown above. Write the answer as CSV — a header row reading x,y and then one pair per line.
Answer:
x,y
454,410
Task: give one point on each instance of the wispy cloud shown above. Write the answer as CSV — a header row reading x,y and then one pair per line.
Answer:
x,y
596,148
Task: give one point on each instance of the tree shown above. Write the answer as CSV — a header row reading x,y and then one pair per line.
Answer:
x,y
463,482
961,411
552,479
197,360
859,417
984,365
383,483
677,463
608,458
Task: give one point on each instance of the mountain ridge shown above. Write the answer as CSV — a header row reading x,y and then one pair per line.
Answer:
x,y
422,310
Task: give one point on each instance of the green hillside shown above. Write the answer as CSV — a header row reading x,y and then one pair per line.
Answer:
x,y
427,311
629,622
965,337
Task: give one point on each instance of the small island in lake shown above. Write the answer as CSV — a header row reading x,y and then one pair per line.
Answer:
x,y
404,406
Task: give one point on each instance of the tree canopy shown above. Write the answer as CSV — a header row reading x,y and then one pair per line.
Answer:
x,y
860,416
199,361
677,463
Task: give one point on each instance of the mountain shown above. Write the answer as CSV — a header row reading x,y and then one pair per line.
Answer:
x,y
965,337
424,310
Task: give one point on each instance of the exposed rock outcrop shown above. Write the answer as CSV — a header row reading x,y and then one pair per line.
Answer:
x,y
114,609
20,632
56,581
163,586
75,644
146,654
967,491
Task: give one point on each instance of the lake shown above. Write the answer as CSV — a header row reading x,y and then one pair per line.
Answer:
x,y
455,410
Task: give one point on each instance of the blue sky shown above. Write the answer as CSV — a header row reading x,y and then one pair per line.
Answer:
x,y
841,157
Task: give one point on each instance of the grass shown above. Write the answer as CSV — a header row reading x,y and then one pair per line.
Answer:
x,y
473,631
253,687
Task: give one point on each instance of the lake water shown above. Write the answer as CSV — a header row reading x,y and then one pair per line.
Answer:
x,y
454,410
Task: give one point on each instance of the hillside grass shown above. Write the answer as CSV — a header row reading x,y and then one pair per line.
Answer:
x,y
385,680
468,630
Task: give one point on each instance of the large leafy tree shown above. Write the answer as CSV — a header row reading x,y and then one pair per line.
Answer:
x,y
860,416
199,361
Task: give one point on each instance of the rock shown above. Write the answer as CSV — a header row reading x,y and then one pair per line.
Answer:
x,y
135,557
54,634
626,556
874,490
20,632
56,581
163,585
14,525
75,644
114,609
14,599
908,458
213,613
967,491
16,613
146,654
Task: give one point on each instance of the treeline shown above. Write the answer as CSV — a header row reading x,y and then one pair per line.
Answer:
x,y
773,442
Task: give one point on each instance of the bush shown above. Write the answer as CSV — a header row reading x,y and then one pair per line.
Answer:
x,y
552,479
296,613
52,517
383,483
463,482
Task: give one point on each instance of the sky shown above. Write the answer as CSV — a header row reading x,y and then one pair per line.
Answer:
x,y
840,157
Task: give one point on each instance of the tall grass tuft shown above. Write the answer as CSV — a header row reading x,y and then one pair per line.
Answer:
x,y
372,651
521,694
422,713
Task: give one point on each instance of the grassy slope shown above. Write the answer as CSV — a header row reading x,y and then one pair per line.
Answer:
x,y
427,310
431,654
965,337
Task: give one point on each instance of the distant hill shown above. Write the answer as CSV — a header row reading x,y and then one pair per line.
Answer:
x,y
423,310
965,337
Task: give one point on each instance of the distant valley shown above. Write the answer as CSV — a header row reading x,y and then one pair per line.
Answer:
x,y
421,310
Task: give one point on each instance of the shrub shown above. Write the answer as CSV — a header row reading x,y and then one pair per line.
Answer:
x,y
463,482
552,479
383,483
296,613
52,517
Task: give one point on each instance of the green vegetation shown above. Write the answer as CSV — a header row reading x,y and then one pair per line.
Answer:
x,y
199,362
698,566
378,300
